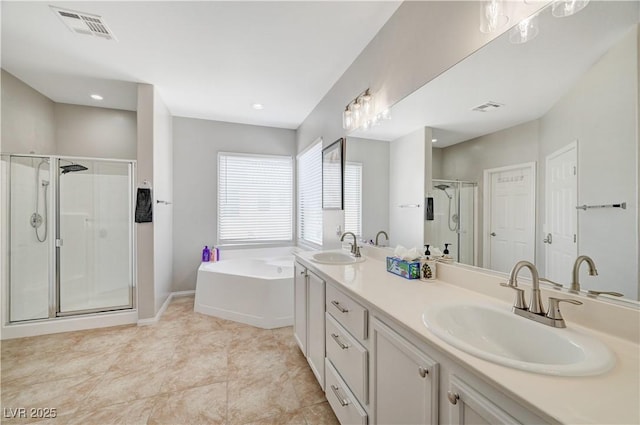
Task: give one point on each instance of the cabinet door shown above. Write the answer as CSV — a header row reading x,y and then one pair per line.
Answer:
x,y
300,306
315,326
405,380
469,406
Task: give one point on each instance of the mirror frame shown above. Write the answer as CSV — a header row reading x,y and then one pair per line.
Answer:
x,y
329,153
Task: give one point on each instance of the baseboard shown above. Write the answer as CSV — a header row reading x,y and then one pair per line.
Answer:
x,y
161,310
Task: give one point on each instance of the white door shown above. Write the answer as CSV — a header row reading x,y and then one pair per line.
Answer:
x,y
509,216
561,216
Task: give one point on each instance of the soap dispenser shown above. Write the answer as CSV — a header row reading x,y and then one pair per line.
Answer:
x,y
427,253
446,248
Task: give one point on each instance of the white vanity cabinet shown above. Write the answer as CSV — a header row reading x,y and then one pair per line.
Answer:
x,y
405,379
300,306
469,406
308,321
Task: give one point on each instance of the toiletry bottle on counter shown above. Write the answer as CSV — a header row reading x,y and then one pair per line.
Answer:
x,y
427,269
216,254
206,254
427,253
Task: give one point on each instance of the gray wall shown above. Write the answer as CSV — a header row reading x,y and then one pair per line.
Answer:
x,y
95,132
467,161
28,123
163,190
420,41
374,156
195,161
600,112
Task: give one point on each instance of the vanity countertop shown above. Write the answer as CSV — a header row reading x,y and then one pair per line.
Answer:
x,y
612,397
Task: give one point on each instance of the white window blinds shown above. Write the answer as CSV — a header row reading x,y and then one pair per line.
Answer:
x,y
255,198
353,198
310,195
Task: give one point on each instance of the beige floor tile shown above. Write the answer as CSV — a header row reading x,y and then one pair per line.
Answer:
x,y
244,363
130,359
134,412
195,368
293,418
213,340
320,414
65,395
306,386
261,396
114,388
200,405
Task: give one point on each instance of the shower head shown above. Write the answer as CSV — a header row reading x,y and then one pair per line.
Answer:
x,y
72,168
444,187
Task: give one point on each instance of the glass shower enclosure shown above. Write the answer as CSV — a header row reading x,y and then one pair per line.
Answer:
x,y
70,248
454,219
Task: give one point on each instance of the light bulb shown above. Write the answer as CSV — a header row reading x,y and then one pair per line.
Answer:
x,y
491,16
564,8
526,30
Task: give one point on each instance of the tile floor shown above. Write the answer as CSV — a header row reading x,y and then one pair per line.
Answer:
x,y
187,369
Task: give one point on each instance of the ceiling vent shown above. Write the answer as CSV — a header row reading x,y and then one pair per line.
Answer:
x,y
488,106
84,23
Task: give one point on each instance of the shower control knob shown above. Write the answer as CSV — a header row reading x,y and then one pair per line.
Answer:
x,y
493,233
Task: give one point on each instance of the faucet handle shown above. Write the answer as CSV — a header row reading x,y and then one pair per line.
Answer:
x,y
596,293
554,307
520,302
357,252
556,284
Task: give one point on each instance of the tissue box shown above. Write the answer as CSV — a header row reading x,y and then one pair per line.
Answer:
x,y
406,269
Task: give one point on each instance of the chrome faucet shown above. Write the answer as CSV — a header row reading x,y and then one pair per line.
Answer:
x,y
535,311
575,281
382,232
355,249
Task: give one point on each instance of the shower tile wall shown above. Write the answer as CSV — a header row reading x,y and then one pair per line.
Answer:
x,y
29,263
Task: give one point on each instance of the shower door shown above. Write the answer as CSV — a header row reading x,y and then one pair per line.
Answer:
x,y
27,195
94,236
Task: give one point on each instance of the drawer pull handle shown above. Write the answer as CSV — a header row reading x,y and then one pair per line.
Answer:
x,y
453,397
340,343
423,371
339,307
343,400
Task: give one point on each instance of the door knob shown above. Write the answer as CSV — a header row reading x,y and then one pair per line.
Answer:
x,y
453,397
548,239
492,233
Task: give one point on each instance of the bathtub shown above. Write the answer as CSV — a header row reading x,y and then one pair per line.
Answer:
x,y
254,291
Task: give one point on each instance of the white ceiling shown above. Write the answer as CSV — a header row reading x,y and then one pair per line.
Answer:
x,y
528,79
208,59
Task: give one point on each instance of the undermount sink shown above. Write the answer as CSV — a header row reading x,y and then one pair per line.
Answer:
x,y
496,334
335,257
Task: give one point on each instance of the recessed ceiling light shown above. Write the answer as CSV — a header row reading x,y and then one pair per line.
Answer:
x,y
96,97
257,106
434,140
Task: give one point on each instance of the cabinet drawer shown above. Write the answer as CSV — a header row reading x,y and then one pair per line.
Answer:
x,y
348,357
347,312
342,401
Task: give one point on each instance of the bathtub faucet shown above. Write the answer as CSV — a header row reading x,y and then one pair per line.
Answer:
x,y
355,249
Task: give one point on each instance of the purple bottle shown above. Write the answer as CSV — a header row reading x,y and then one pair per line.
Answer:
x,y
206,254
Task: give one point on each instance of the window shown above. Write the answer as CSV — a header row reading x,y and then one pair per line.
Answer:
x,y
353,198
255,198
310,195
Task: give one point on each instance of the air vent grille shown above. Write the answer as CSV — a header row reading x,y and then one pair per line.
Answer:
x,y
84,23
487,106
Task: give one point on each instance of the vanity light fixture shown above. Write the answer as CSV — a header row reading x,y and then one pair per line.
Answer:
x,y
360,113
525,30
96,97
492,17
564,8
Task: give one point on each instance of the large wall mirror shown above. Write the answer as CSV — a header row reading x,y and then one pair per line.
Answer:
x,y
523,134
